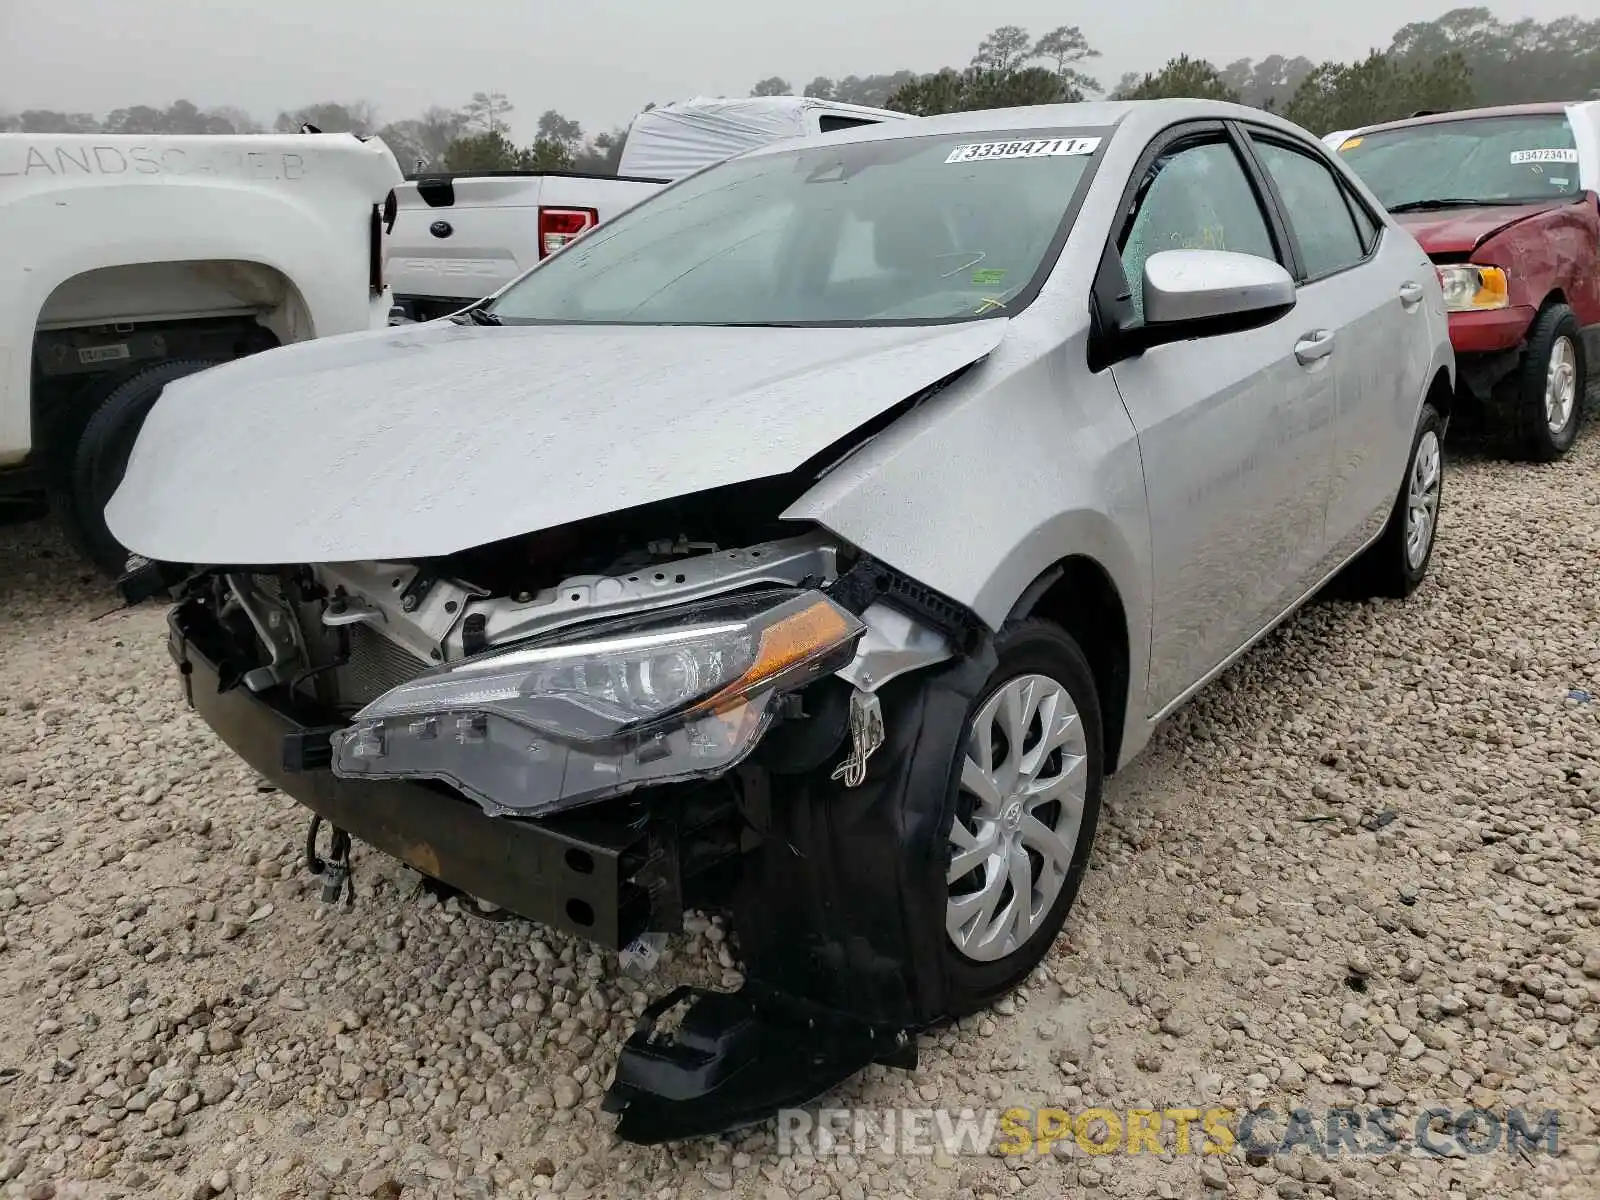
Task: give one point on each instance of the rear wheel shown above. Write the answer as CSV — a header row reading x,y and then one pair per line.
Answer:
x,y
1396,564
1027,804
97,461
1550,386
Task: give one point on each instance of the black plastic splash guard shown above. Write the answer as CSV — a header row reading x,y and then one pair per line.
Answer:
x,y
841,966
733,1062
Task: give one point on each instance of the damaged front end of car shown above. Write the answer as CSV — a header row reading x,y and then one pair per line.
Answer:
x,y
596,730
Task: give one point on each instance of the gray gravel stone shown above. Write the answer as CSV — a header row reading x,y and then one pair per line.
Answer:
x,y
1245,938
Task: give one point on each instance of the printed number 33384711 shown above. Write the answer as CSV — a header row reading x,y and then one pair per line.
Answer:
x,y
1030,148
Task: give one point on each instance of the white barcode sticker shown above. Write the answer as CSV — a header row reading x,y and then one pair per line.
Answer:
x,y
640,956
97,354
1518,157
1031,148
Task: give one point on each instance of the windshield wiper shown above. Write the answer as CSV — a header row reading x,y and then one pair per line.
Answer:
x,y
476,316
1439,202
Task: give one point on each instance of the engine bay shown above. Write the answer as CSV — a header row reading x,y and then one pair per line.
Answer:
x,y
596,727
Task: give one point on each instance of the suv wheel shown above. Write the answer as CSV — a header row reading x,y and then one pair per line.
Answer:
x,y
1550,386
1027,803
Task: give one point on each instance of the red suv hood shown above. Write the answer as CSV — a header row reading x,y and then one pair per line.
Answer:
x,y
1463,230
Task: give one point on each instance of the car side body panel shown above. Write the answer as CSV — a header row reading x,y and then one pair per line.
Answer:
x,y
1048,467
1381,390
1237,439
1401,246
1555,250
1039,440
1047,444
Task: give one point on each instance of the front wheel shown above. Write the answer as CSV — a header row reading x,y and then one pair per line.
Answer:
x,y
1027,804
1550,386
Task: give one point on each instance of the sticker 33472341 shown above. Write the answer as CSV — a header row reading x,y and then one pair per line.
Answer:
x,y
1028,148
1567,155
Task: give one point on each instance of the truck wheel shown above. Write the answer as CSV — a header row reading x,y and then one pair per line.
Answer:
x,y
1027,803
101,456
1550,386
1395,565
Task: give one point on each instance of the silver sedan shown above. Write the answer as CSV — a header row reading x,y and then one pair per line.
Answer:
x,y
810,541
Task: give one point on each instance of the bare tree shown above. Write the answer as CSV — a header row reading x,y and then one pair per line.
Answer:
x,y
487,112
1066,47
1006,49
560,130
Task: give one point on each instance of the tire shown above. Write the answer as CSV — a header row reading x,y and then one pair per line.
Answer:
x,y
100,456
1549,386
1390,568
1040,652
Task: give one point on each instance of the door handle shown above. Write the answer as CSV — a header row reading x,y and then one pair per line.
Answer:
x,y
1410,295
1317,344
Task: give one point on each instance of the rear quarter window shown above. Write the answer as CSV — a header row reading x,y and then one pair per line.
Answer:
x,y
1317,207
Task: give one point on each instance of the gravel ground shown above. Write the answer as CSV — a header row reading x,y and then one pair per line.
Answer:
x,y
1360,869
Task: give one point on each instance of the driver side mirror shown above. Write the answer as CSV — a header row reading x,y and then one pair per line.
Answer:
x,y
1187,294
1194,293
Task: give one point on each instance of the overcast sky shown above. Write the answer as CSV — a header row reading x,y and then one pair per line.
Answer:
x,y
600,61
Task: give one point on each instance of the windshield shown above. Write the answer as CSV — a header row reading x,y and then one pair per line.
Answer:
x,y
1486,160
934,228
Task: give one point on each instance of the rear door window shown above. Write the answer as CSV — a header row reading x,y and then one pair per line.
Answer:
x,y
1317,209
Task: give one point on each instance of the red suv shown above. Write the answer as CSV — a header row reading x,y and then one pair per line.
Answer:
x,y
1504,201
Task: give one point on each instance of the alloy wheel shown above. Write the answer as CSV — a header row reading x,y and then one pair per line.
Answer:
x,y
1422,499
1024,781
1561,384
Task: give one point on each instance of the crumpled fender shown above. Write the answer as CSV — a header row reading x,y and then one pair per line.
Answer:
x,y
838,916
834,907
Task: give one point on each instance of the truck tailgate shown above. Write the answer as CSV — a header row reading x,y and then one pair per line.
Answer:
x,y
460,238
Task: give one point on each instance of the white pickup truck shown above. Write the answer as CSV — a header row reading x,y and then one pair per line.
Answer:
x,y
128,261
461,237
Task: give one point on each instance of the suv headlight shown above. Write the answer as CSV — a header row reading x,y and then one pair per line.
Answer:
x,y
643,700
1469,288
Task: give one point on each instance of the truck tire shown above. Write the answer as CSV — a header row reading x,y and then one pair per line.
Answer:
x,y
1002,835
1550,387
100,456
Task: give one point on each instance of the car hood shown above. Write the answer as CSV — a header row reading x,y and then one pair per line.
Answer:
x,y
430,439
1463,230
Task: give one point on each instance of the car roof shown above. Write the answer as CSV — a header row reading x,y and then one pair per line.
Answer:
x,y
1543,108
1146,117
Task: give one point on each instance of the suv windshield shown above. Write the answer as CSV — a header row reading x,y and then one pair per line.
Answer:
x,y
934,228
1484,160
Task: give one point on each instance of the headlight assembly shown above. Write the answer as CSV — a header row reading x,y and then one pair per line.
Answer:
x,y
1470,288
644,700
